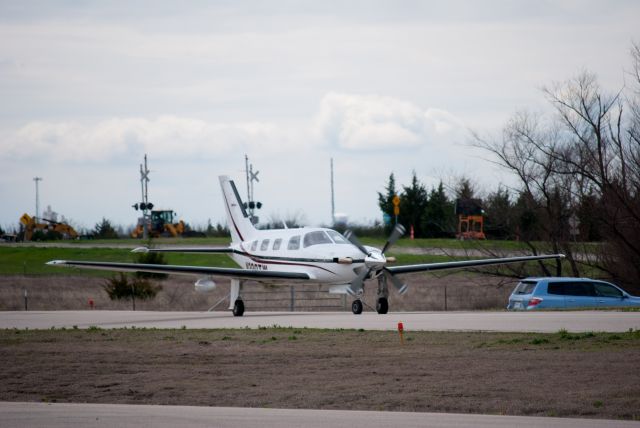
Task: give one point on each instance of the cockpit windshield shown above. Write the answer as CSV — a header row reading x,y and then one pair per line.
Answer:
x,y
337,237
316,238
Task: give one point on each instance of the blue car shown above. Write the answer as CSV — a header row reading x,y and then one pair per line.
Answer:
x,y
568,293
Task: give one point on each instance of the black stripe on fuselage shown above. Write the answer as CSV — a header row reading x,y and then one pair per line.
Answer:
x,y
291,261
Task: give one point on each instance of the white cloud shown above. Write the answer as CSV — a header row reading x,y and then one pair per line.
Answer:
x,y
373,122
351,122
164,136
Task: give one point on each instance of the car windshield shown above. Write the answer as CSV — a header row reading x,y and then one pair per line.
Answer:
x,y
525,287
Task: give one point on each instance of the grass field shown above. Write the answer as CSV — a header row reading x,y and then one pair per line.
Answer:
x,y
570,375
32,260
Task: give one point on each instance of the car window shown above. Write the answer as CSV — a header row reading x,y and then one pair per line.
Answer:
x,y
337,237
265,245
571,288
294,243
579,289
276,244
315,238
606,290
525,287
556,288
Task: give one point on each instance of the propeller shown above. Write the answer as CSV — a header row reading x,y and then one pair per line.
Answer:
x,y
375,260
354,240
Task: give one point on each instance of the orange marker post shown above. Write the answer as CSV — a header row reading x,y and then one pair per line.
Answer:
x,y
400,331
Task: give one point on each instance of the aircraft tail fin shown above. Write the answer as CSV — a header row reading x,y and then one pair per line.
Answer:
x,y
238,219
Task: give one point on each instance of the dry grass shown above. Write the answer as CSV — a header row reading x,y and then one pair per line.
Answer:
x,y
426,293
516,374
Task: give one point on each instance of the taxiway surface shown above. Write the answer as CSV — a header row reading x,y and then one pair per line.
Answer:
x,y
123,415
540,322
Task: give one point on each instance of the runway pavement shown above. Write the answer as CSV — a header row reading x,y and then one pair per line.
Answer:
x,y
122,415
545,322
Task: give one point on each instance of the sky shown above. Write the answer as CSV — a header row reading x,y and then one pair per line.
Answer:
x,y
87,88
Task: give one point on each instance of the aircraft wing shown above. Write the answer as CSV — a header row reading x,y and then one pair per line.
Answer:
x,y
257,275
467,263
204,250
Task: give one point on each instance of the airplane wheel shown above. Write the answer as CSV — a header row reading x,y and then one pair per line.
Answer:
x,y
356,307
382,307
238,308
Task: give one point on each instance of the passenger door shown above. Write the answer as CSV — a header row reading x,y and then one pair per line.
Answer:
x,y
579,295
607,295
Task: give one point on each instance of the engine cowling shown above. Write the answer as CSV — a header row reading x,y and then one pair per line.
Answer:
x,y
205,285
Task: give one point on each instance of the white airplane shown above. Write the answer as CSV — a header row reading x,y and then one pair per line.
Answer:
x,y
298,256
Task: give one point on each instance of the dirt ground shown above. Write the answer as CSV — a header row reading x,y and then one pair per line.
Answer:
x,y
568,375
427,292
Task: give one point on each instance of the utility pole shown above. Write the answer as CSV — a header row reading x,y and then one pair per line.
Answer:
x,y
37,179
333,203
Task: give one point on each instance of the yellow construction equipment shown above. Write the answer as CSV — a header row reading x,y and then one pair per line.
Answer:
x,y
161,225
470,227
30,227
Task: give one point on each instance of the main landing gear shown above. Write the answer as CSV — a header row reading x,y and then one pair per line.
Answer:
x,y
235,298
238,308
382,305
356,307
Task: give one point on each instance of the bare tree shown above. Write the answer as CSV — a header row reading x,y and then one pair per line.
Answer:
x,y
590,146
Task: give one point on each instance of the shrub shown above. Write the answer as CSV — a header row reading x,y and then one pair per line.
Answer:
x,y
121,288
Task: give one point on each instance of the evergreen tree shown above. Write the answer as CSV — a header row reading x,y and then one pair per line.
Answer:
x,y
465,189
589,213
439,218
413,203
527,216
105,230
385,201
499,215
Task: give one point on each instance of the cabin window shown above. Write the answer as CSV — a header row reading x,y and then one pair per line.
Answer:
x,y
265,245
254,245
276,244
294,243
337,237
316,238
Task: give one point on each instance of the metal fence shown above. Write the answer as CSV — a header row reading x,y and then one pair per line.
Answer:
x,y
290,298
